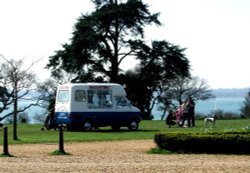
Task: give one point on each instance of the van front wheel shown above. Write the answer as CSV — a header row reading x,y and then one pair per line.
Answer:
x,y
133,125
87,126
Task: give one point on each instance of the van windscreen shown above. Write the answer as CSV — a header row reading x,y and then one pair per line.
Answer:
x,y
63,96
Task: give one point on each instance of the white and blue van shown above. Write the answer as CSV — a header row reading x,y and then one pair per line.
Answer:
x,y
92,105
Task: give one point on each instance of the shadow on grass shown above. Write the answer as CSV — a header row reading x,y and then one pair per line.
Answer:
x,y
115,131
59,153
124,131
6,155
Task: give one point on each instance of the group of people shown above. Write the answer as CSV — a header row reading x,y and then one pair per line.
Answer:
x,y
185,113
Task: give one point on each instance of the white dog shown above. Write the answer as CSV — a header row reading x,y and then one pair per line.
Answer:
x,y
210,119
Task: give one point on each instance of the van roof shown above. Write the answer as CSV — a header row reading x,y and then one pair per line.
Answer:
x,y
92,84
118,90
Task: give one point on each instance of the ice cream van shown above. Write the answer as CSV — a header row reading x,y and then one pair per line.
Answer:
x,y
91,105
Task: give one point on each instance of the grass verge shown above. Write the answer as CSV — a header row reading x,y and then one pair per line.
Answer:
x,y
32,133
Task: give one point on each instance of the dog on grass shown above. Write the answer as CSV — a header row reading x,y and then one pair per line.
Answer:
x,y
211,119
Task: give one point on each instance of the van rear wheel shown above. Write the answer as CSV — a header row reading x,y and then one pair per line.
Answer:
x,y
87,126
133,125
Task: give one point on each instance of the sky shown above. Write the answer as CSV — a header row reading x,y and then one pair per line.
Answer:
x,y
215,33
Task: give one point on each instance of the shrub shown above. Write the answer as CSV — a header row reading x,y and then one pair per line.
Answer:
x,y
245,109
224,142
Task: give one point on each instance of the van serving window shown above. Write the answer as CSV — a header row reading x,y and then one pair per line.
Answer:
x,y
99,98
63,96
80,96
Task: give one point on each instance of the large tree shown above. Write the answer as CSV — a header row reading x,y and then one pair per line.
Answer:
x,y
103,39
159,63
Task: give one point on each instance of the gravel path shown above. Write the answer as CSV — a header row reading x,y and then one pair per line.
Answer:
x,y
116,156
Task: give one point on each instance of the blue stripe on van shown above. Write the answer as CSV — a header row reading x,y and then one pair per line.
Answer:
x,y
98,118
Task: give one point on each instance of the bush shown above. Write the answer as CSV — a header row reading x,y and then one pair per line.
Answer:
x,y
220,114
245,109
225,142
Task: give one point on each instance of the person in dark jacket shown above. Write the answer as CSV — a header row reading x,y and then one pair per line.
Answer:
x,y
191,111
170,118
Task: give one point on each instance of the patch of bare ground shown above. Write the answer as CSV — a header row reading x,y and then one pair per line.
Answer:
x,y
116,156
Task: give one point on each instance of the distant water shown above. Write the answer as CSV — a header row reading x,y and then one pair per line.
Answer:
x,y
205,107
31,112
202,107
224,104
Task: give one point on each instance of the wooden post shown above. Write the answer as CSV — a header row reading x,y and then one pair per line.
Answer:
x,y
5,141
61,145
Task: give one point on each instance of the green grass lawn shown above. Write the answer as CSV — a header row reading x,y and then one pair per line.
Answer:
x,y
28,133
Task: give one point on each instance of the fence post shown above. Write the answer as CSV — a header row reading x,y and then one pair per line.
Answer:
x,y
5,141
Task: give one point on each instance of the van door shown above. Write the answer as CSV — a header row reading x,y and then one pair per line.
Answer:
x,y
62,108
100,105
123,108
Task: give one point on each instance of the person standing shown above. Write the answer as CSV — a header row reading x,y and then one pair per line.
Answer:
x,y
179,114
191,111
186,115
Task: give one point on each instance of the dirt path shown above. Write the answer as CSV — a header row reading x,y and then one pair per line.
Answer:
x,y
116,156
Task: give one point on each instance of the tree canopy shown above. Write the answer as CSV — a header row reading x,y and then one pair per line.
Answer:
x,y
103,39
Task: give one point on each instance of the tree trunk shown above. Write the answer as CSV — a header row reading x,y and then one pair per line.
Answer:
x,y
15,113
114,73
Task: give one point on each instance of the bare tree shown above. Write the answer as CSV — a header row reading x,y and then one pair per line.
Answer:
x,y
19,83
47,92
179,89
47,89
5,99
46,95
194,87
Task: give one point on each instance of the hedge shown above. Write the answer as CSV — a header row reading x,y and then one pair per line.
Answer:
x,y
215,142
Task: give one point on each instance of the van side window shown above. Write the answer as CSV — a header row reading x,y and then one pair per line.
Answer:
x,y
121,101
63,96
99,98
80,96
